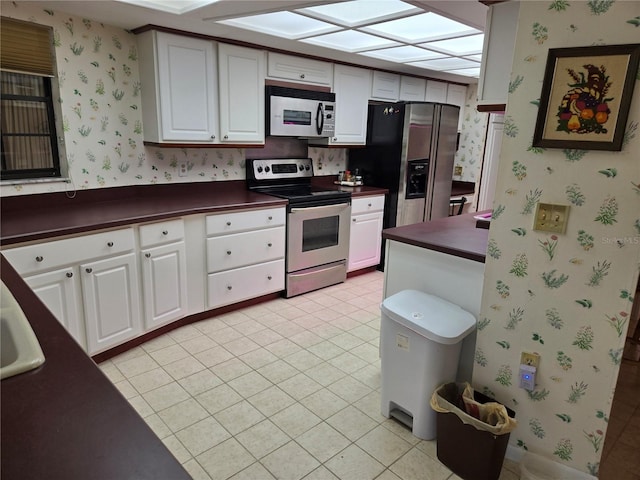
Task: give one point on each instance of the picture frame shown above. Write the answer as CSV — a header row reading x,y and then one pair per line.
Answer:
x,y
586,97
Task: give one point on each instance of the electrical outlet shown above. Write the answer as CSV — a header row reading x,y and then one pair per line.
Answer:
x,y
182,170
550,217
457,170
530,359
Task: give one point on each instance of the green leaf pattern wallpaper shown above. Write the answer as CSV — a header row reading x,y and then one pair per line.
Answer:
x,y
102,121
564,296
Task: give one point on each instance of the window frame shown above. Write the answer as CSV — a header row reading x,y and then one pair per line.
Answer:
x,y
52,172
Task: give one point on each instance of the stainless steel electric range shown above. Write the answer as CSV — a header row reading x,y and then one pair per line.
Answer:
x,y
317,222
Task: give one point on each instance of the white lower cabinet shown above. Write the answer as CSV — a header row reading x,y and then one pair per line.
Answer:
x,y
245,255
164,284
164,272
60,291
111,301
365,240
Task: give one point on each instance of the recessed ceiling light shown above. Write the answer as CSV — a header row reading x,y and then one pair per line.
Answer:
x,y
282,24
407,53
360,12
450,63
458,46
420,28
350,41
177,7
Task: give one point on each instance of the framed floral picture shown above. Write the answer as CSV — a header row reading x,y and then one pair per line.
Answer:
x,y
586,96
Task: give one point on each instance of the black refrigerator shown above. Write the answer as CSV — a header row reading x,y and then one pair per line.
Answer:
x,y
410,151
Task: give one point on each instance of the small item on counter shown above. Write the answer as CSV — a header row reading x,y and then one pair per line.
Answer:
x,y
347,176
341,176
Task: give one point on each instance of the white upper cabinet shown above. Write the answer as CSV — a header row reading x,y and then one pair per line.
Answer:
x,y
385,86
352,87
299,69
457,95
497,56
412,89
179,88
241,77
436,91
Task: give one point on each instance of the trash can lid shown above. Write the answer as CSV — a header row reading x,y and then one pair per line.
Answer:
x,y
430,316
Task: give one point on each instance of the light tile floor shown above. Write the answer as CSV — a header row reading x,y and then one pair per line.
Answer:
x,y
286,389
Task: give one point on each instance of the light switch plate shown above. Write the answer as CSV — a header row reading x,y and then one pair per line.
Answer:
x,y
550,217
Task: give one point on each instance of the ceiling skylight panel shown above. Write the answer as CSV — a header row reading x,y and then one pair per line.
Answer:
x,y
458,46
468,72
360,12
282,24
350,41
450,63
171,6
420,28
407,53
477,58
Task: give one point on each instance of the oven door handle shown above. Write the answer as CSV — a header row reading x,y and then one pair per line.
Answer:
x,y
323,209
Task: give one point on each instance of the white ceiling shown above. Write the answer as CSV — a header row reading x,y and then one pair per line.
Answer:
x,y
190,16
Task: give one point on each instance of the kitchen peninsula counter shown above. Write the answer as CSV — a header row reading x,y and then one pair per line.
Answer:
x,y
457,236
443,257
65,419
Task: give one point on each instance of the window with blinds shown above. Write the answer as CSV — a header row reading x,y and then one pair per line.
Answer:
x,y
27,117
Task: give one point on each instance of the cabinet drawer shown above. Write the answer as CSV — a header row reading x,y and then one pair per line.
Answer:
x,y
243,283
232,251
48,255
367,204
248,220
161,232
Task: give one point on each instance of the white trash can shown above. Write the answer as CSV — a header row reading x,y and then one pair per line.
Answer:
x,y
420,340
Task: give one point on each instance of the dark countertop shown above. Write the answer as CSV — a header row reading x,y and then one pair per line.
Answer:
x,y
456,236
66,420
37,217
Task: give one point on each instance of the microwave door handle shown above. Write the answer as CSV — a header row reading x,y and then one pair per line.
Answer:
x,y
320,118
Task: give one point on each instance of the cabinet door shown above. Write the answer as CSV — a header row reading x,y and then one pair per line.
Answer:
x,y
241,74
59,290
412,89
385,86
436,92
457,95
299,69
164,284
490,162
111,301
187,88
365,240
351,86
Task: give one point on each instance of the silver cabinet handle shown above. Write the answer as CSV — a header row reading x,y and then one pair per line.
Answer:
x,y
109,244
213,137
302,75
269,244
229,287
270,217
39,258
369,205
228,252
88,270
69,274
228,224
353,220
226,137
269,277
148,255
165,232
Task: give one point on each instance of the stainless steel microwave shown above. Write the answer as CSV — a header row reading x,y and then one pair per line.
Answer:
x,y
293,112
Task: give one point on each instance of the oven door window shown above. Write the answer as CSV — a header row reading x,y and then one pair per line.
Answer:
x,y
320,233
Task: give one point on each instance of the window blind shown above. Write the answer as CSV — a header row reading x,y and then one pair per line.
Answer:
x,y
26,47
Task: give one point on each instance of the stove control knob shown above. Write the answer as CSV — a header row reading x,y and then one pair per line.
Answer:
x,y
267,169
301,167
307,167
259,169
